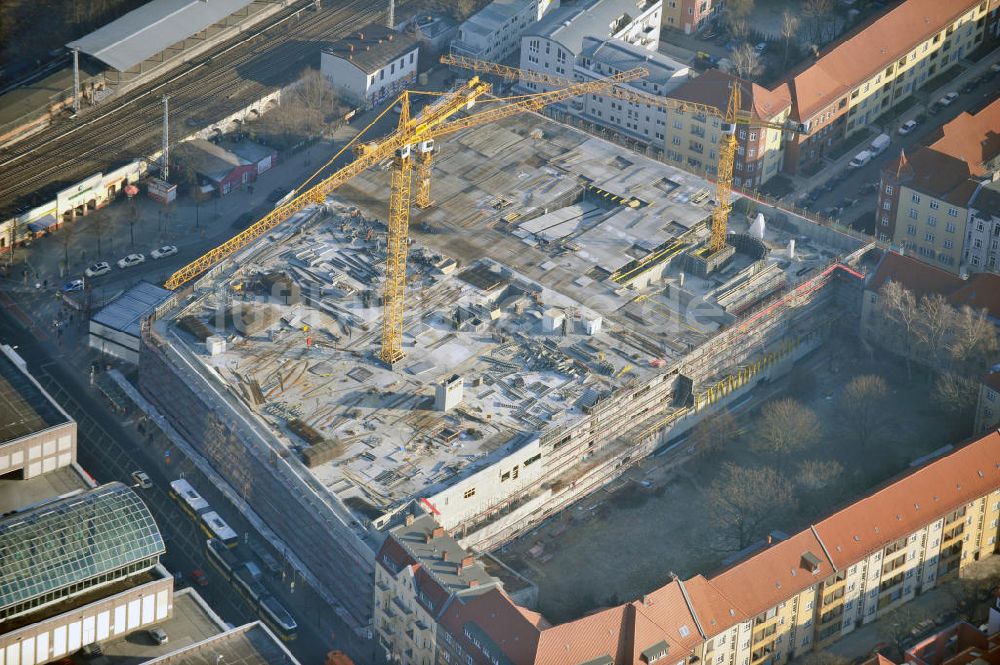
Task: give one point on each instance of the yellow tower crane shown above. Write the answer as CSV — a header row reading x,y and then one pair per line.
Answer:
x,y
729,120
412,140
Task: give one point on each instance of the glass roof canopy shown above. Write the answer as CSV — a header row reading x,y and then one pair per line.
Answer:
x,y
72,544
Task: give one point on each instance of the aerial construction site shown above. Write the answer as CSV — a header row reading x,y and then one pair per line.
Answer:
x,y
563,318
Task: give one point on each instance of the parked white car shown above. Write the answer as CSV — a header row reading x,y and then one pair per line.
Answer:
x,y
98,269
948,99
161,252
907,127
131,260
860,159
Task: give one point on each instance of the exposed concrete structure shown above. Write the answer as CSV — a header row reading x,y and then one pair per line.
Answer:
x,y
541,217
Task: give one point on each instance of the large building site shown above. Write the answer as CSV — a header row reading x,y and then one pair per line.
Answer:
x,y
564,317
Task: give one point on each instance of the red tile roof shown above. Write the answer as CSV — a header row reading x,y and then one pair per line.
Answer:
x,y
773,575
712,88
992,380
599,634
918,277
974,139
496,615
666,611
980,291
744,590
855,59
913,502
716,613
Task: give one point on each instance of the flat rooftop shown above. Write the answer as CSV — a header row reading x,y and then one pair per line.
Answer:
x,y
25,408
547,275
16,494
251,644
189,624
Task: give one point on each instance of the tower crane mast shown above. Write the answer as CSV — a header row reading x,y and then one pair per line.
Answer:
x,y
412,135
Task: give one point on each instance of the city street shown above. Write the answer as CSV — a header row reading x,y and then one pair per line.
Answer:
x,y
112,445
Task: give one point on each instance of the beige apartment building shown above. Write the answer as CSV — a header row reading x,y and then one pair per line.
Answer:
x,y
796,595
692,138
851,84
925,199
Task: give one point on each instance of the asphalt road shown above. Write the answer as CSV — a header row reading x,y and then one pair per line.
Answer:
x,y
110,450
856,179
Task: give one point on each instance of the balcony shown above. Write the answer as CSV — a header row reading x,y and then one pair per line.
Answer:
x,y
698,131
406,611
762,656
762,635
831,598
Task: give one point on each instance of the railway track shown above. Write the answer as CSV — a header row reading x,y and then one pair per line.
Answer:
x,y
222,83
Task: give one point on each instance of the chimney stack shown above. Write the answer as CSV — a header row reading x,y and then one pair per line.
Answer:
x,y
473,584
444,555
467,561
437,532
410,519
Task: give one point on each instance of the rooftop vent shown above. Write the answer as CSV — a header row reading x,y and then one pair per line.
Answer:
x,y
810,562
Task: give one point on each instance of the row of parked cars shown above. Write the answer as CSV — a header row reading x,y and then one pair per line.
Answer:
x,y
103,267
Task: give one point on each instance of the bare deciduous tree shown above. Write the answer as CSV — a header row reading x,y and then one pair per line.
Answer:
x,y
712,433
934,322
817,15
744,500
973,341
785,426
745,62
315,102
956,394
818,474
863,407
789,28
899,317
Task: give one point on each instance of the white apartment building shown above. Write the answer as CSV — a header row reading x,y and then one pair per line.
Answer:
x,y
644,123
372,64
494,32
553,45
982,241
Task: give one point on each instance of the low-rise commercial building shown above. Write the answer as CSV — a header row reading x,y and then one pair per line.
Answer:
x,y
494,32
926,199
116,329
692,138
797,595
868,73
372,64
225,167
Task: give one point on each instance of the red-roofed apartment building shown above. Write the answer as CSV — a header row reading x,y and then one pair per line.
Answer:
x,y
874,68
692,138
941,203
797,595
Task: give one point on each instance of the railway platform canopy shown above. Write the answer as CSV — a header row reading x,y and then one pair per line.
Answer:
x,y
168,31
